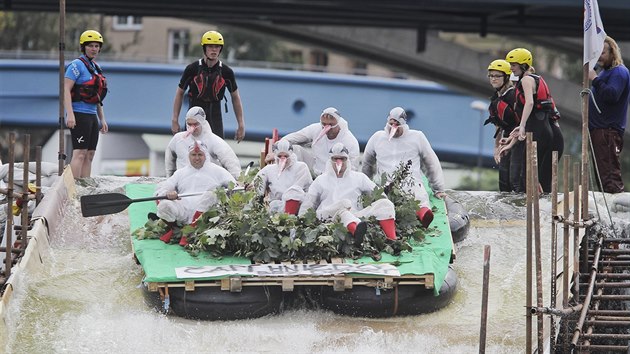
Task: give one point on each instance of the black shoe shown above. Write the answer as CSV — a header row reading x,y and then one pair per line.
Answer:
x,y
359,232
153,216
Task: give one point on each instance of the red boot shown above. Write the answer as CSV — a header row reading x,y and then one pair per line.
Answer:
x,y
183,242
425,215
167,236
292,206
389,228
196,217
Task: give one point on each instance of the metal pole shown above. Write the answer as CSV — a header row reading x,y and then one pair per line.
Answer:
x,y
528,277
484,299
61,156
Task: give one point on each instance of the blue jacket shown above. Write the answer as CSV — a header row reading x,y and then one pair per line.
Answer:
x,y
611,90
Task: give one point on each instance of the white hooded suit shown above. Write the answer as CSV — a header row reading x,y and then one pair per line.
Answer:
x,y
289,184
220,153
334,197
384,155
191,180
320,149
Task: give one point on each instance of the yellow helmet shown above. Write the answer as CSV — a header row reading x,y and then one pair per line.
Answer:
x,y
519,55
212,37
500,65
90,36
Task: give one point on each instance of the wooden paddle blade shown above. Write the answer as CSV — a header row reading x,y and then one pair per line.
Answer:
x,y
104,204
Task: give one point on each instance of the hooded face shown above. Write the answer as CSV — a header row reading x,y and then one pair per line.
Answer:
x,y
283,161
395,129
330,127
339,164
193,127
197,158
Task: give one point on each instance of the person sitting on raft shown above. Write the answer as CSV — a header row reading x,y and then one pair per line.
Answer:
x,y
331,129
200,176
198,129
287,180
396,144
335,197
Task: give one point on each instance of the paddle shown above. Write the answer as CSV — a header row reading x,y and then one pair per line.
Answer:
x,y
111,203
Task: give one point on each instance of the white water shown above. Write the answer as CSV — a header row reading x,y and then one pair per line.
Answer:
x,y
88,301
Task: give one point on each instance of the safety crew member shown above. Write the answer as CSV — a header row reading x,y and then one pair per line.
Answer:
x,y
206,80
85,88
504,118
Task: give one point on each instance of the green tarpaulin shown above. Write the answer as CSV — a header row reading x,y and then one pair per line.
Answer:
x,y
159,259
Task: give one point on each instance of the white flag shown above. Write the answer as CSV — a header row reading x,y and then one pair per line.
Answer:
x,y
594,34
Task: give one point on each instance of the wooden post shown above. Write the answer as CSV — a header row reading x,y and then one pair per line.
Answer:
x,y
8,260
554,247
62,47
585,137
38,174
576,227
25,191
528,273
537,247
484,299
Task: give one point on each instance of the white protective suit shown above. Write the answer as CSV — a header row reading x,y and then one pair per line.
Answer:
x,y
291,183
176,154
333,197
321,149
384,155
191,180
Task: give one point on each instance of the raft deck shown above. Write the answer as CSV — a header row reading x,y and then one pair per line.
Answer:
x,y
426,265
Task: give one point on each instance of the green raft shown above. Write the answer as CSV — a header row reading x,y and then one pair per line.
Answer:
x,y
205,287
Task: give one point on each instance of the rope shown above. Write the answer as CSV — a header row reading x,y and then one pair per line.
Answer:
x,y
599,180
588,91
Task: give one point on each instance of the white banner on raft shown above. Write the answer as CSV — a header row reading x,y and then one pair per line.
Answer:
x,y
286,270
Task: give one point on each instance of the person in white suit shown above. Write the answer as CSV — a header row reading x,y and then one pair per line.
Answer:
x,y
396,144
321,137
199,176
198,129
286,180
335,197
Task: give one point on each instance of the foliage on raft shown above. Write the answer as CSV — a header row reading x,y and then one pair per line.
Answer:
x,y
240,225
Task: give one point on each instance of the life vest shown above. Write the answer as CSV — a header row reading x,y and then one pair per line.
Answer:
x,y
210,85
94,90
501,110
543,102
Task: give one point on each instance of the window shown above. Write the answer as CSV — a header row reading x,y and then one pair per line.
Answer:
x,y
178,44
127,23
319,60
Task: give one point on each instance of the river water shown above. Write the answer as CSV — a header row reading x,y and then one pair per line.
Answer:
x,y
89,300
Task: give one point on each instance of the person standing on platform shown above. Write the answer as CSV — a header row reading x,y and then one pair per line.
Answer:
x,y
502,115
536,110
206,81
607,115
85,89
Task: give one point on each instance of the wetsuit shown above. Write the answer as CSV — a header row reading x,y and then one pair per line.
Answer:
x,y
537,124
206,88
502,115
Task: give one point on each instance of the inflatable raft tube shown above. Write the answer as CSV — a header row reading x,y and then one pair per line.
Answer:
x,y
212,303
363,301
458,219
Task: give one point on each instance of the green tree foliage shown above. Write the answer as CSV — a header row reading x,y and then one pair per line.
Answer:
x,y
40,30
248,45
